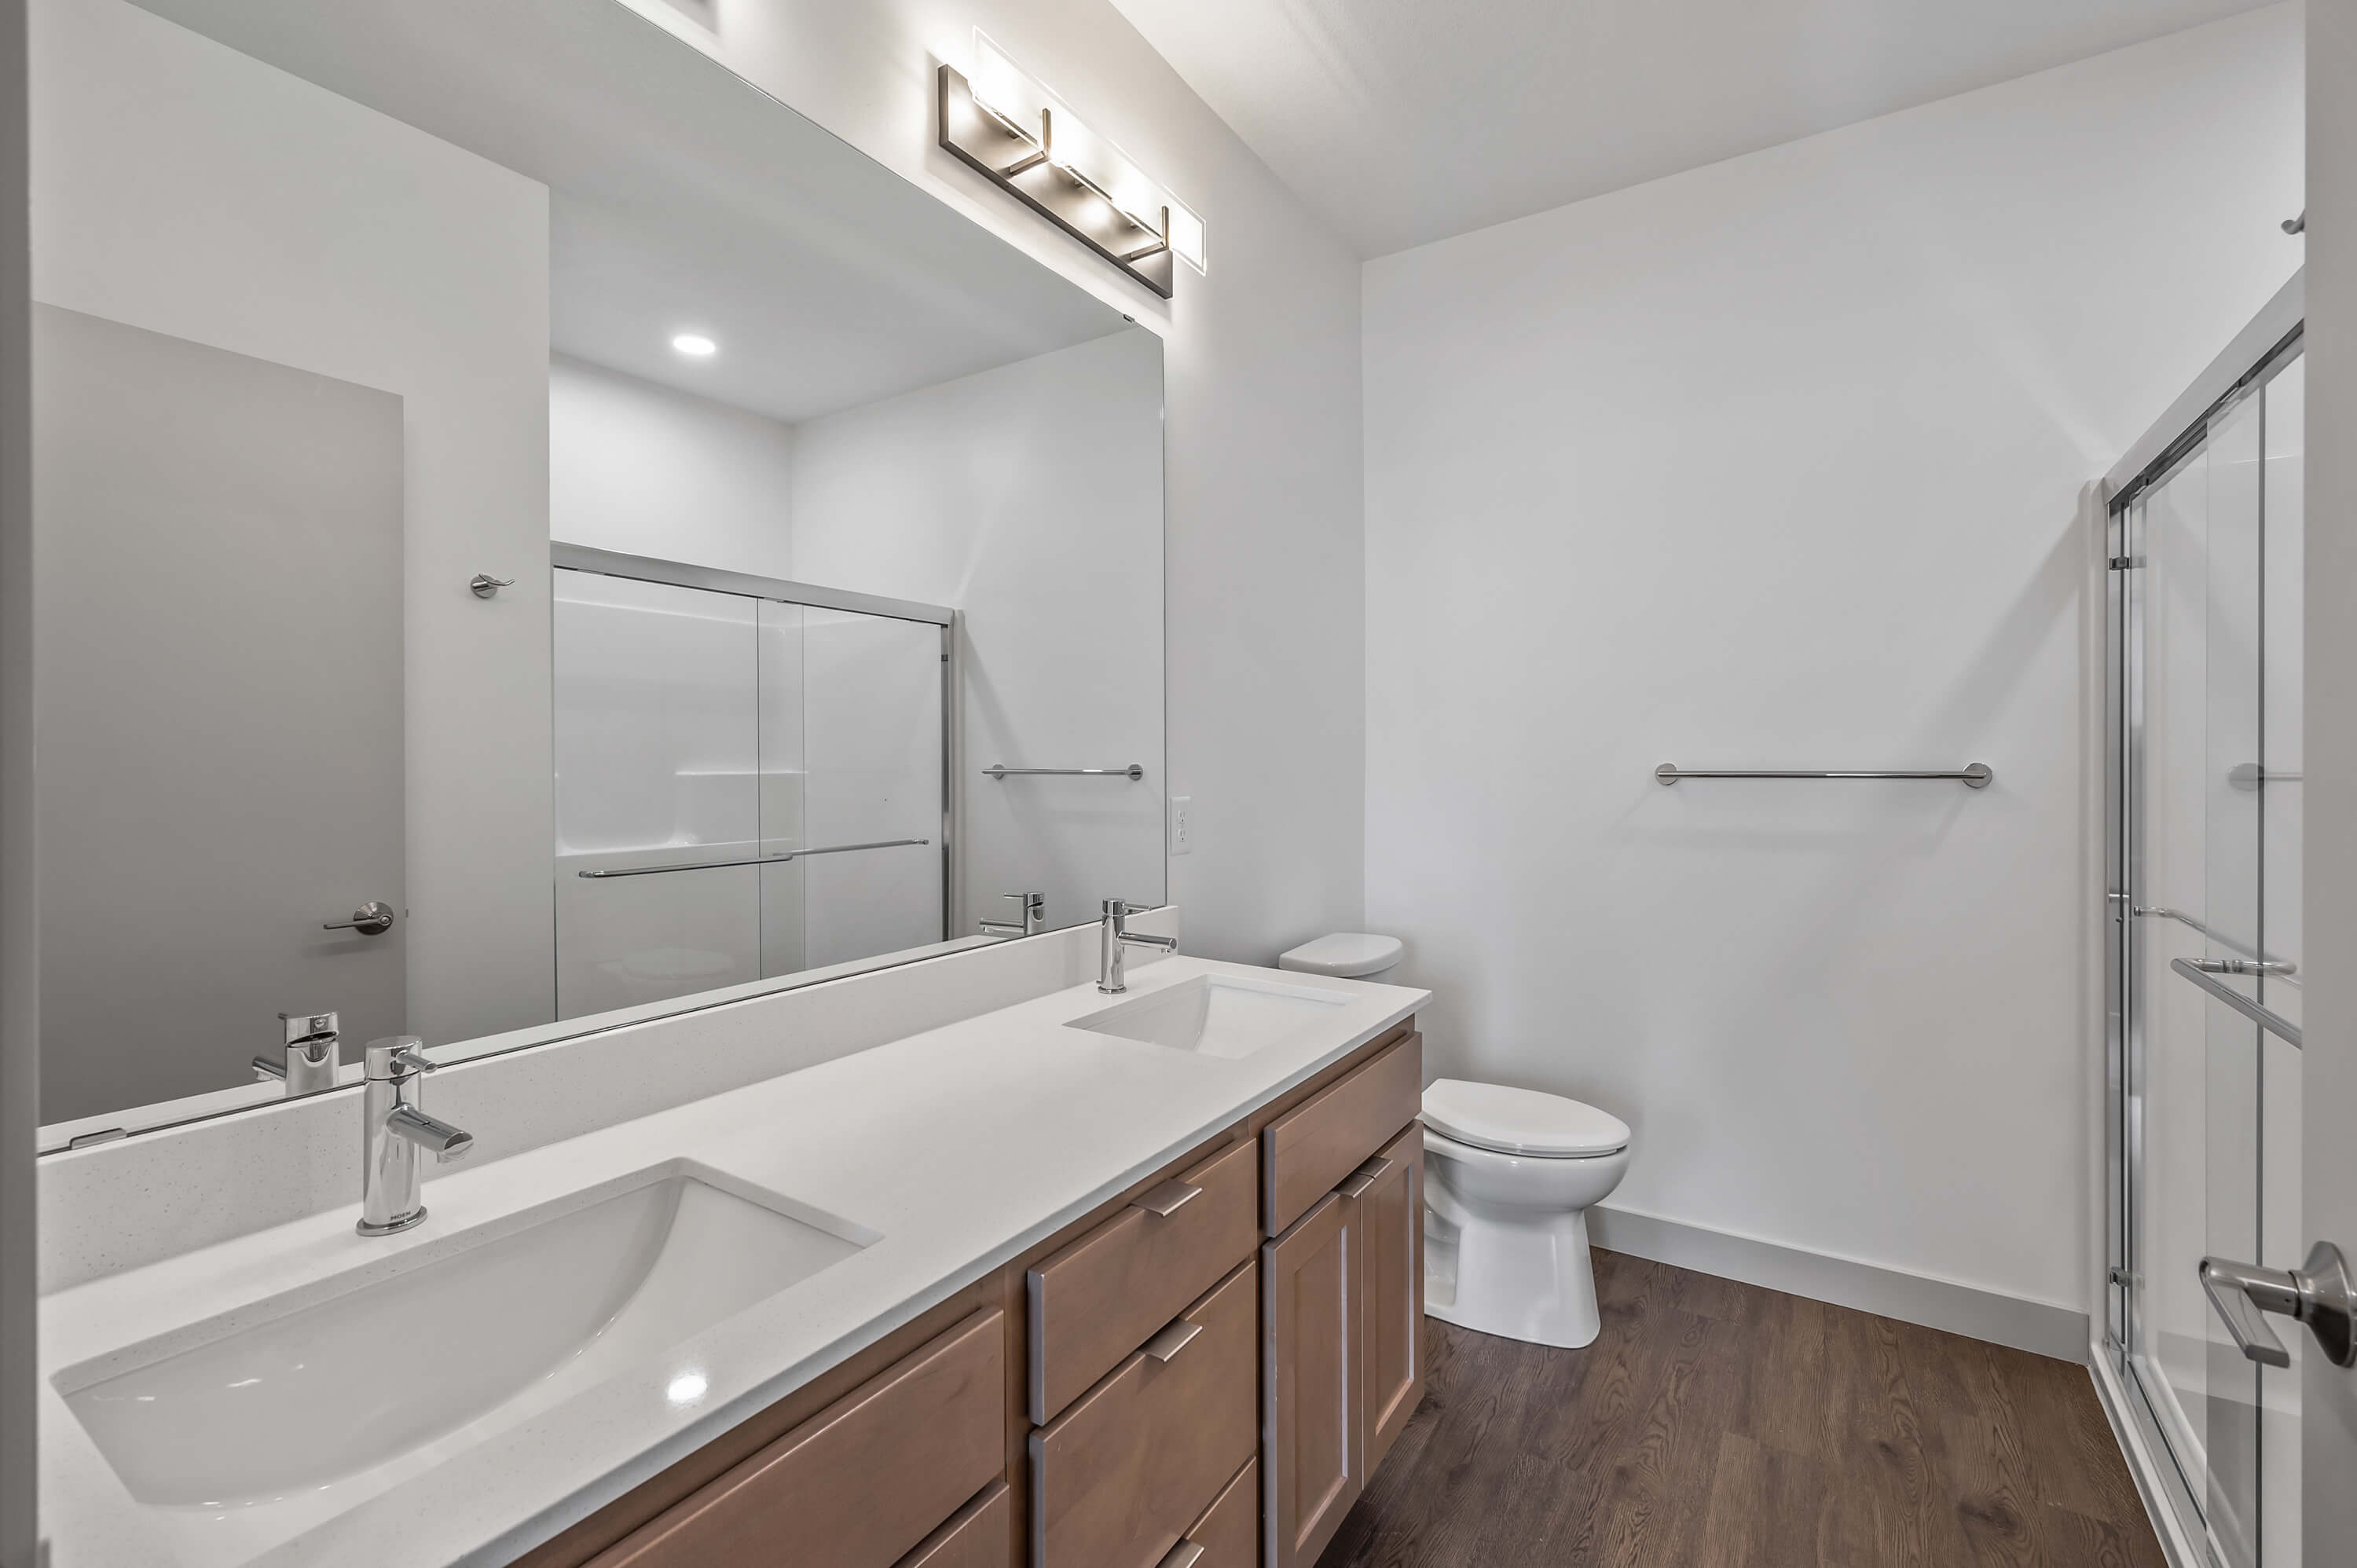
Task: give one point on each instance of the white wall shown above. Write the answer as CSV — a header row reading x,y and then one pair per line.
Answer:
x,y
1029,497
186,189
1265,553
1773,464
648,470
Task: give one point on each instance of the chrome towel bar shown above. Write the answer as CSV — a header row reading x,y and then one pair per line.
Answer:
x,y
749,860
2272,1022
1972,776
2263,963
1133,772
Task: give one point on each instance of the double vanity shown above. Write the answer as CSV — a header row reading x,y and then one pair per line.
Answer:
x,y
1083,1282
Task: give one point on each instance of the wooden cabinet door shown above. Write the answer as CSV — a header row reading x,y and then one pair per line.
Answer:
x,y
1390,1190
1313,1458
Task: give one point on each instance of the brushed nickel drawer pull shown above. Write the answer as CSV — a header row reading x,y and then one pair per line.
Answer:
x,y
1365,1177
1166,1200
1172,1341
1186,1554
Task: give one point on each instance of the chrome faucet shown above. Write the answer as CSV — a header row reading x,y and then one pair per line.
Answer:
x,y
393,1133
1035,917
307,1060
1113,943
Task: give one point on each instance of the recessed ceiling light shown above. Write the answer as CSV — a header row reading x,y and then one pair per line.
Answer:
x,y
695,344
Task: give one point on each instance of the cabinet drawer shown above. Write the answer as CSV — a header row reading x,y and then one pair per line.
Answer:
x,y
1312,1147
1118,1478
860,1484
982,1535
1229,1532
1100,1298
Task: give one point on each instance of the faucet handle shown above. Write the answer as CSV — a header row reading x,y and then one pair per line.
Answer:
x,y
394,1052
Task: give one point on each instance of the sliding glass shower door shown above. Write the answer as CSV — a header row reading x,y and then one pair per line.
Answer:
x,y
748,785
2206,622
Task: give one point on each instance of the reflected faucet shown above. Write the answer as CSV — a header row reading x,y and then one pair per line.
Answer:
x,y
394,1131
1114,941
1033,921
307,1060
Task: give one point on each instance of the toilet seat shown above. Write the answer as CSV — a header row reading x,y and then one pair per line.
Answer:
x,y
1523,1121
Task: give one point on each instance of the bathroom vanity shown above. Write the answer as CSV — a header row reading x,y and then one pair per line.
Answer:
x,y
1202,1372
1081,1281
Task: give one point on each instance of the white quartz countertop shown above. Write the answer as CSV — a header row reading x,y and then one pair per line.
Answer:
x,y
962,1147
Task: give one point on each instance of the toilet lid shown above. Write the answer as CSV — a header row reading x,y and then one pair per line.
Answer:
x,y
1344,953
1520,1121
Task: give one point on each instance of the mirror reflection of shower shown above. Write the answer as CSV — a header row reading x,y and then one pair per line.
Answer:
x,y
750,779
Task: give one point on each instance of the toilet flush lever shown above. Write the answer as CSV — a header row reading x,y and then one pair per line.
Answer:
x,y
2320,1293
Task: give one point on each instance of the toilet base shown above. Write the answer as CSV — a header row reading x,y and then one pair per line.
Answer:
x,y
1531,1282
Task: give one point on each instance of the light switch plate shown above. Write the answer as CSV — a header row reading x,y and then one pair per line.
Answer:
x,y
1181,837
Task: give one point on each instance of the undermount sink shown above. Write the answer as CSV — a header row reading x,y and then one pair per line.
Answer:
x,y
1217,1015
475,1337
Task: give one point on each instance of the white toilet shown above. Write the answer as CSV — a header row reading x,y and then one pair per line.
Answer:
x,y
1508,1177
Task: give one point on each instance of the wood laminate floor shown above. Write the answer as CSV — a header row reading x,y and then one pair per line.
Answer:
x,y
1714,1423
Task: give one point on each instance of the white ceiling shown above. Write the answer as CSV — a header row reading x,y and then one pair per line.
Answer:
x,y
683,199
1408,121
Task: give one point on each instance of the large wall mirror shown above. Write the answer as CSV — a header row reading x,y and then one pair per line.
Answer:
x,y
535,534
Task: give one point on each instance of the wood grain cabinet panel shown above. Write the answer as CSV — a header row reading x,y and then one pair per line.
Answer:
x,y
1313,1457
979,1535
1099,1299
1317,1144
862,1483
1118,1479
1229,1532
1390,1190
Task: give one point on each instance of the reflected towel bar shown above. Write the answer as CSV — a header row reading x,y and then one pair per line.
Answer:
x,y
2272,1022
1972,776
2273,967
749,860
1133,772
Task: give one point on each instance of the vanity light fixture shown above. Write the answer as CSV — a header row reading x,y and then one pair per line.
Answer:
x,y
1004,123
695,345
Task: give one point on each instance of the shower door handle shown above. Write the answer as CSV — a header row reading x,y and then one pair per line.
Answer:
x,y
2318,1293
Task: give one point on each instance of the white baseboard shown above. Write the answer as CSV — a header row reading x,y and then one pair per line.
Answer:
x,y
2039,1327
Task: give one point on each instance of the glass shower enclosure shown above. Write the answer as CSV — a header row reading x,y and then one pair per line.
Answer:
x,y
2204,950
751,778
